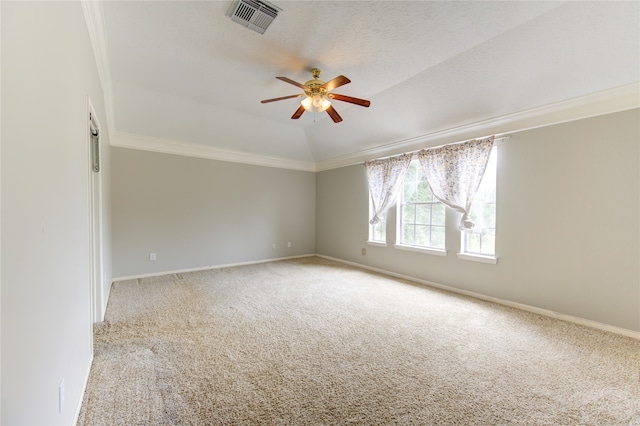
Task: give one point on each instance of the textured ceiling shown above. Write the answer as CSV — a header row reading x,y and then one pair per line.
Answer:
x,y
184,71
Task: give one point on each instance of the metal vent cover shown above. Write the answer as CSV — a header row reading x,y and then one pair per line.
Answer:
x,y
255,15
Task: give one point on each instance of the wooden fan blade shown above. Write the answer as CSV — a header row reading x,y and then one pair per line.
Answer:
x,y
266,101
334,114
295,83
298,113
343,98
340,80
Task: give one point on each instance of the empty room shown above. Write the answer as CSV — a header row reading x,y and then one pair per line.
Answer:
x,y
242,212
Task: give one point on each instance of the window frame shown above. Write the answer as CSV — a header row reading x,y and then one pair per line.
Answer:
x,y
463,254
370,237
400,202
484,257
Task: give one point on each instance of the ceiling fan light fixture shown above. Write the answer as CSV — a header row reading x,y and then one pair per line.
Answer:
x,y
325,104
307,103
320,103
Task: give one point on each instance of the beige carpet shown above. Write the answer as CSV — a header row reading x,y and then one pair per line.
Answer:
x,y
314,342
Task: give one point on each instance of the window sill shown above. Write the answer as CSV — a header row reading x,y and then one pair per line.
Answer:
x,y
435,252
478,258
376,243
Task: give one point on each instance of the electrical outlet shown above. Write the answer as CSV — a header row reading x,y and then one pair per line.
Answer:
x,y
274,245
364,251
152,256
289,244
61,395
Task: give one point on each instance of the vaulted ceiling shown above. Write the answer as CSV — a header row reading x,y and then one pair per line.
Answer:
x,y
182,73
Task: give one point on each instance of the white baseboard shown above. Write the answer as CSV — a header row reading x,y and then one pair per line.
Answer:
x,y
205,268
83,390
522,306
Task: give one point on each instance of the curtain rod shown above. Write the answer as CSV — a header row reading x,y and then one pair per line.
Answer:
x,y
495,138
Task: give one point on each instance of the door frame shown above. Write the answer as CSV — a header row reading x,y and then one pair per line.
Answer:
x,y
96,240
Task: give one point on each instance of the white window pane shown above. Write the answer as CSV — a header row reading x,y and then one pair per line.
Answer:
x,y
423,214
422,236
409,192
489,215
419,211
378,231
473,242
423,193
483,212
408,213
488,237
408,234
438,214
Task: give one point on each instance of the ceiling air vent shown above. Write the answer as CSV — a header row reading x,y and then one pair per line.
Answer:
x,y
255,15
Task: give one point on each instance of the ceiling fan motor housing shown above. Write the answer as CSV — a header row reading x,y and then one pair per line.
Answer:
x,y
314,86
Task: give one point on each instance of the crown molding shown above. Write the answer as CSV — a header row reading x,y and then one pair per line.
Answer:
x,y
605,102
169,146
94,18
600,103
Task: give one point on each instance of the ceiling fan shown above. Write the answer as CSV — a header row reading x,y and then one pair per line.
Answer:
x,y
317,95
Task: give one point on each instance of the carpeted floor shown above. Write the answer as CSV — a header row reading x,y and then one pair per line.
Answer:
x,y
314,342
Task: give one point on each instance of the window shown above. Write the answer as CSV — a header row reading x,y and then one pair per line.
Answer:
x,y
378,232
482,240
421,217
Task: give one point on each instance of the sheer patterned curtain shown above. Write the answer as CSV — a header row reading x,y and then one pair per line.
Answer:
x,y
385,178
454,173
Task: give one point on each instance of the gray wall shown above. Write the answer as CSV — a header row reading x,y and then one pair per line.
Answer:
x,y
568,223
48,71
195,213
